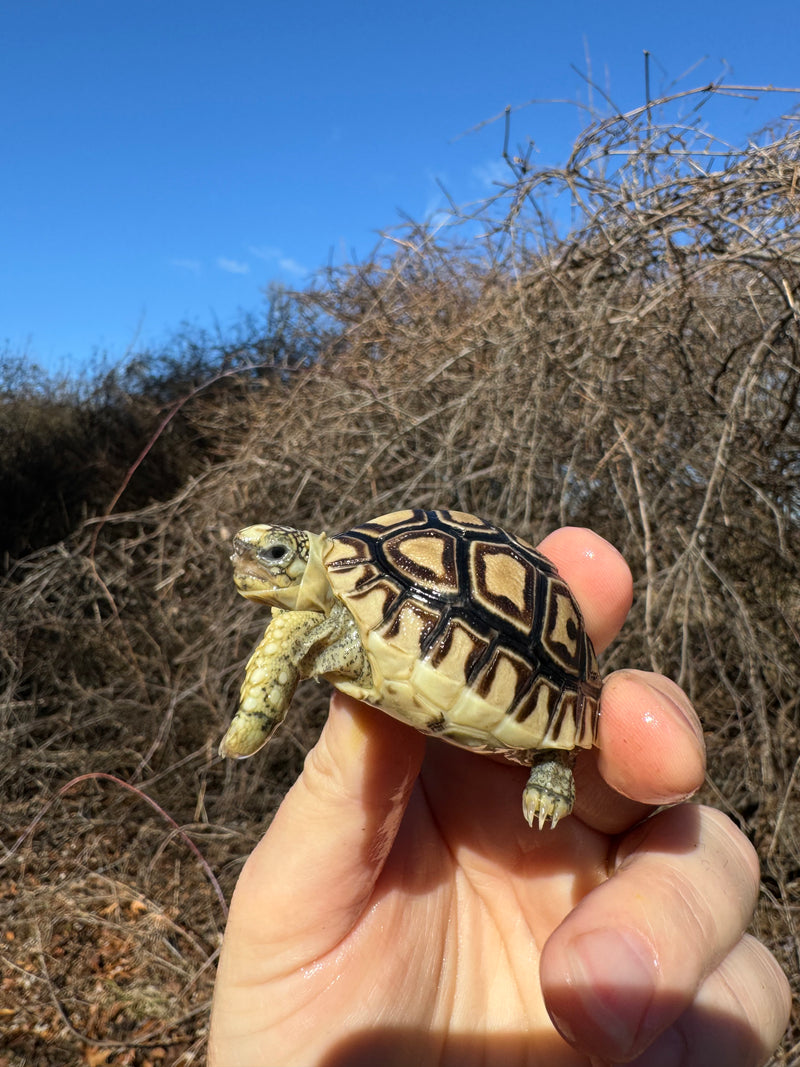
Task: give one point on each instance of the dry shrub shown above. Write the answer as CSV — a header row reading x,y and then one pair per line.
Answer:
x,y
639,376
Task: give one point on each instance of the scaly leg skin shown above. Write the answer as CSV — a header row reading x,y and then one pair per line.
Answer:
x,y
297,644
342,654
269,683
550,792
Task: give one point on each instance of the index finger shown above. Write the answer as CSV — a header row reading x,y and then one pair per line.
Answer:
x,y
650,747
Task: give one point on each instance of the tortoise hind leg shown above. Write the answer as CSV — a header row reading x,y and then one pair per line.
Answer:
x,y
550,792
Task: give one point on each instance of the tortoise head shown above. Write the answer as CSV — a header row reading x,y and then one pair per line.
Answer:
x,y
281,566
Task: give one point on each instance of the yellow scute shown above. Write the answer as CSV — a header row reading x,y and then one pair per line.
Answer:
x,y
565,615
463,646
507,575
475,714
433,687
369,606
505,678
394,518
426,552
406,629
534,727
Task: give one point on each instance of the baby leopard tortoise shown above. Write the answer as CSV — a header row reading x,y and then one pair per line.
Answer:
x,y
438,618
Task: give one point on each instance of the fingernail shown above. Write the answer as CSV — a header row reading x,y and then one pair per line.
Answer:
x,y
612,974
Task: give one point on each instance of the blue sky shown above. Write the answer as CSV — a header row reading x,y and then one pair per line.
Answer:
x,y
161,161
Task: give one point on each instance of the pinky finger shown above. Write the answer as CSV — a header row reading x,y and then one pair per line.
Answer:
x,y
737,1017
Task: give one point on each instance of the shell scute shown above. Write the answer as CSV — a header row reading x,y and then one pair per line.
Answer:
x,y
459,650
427,558
409,626
562,627
503,583
503,678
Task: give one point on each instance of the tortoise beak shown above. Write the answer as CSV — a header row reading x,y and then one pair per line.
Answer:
x,y
248,573
242,550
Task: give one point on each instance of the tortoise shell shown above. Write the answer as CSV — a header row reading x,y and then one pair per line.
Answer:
x,y
470,632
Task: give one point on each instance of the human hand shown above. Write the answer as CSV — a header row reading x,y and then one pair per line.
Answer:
x,y
400,911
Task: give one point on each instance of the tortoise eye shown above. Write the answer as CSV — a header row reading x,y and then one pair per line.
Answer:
x,y
273,554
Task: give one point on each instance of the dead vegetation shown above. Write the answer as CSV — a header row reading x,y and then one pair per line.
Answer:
x,y
639,375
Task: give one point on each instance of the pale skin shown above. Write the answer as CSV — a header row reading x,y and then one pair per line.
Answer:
x,y
399,910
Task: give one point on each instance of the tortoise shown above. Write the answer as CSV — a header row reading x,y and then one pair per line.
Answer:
x,y
439,619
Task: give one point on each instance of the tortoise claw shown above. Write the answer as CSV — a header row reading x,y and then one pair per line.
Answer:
x,y
543,808
550,792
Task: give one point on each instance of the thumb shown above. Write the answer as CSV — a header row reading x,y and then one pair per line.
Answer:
x,y
310,877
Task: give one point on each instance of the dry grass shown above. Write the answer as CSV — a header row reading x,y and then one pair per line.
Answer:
x,y
640,376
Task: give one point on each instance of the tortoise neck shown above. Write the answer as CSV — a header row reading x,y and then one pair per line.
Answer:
x,y
314,593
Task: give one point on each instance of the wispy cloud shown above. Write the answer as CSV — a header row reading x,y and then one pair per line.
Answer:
x,y
493,172
233,266
271,254
291,266
264,251
194,266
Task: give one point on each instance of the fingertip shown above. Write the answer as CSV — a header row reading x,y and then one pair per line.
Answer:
x,y
628,961
598,576
650,739
599,986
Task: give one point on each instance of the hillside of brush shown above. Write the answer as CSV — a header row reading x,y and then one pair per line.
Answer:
x,y
638,373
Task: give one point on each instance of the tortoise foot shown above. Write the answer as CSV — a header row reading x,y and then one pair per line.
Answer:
x,y
550,792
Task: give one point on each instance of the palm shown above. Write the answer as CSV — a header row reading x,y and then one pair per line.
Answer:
x,y
443,950
400,910
447,946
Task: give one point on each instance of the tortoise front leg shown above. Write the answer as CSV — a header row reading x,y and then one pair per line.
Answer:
x,y
297,644
337,653
269,683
